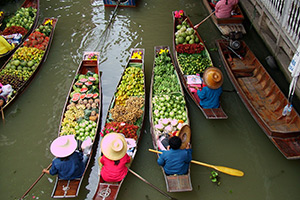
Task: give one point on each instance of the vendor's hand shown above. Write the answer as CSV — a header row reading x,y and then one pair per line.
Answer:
x,y
46,171
168,147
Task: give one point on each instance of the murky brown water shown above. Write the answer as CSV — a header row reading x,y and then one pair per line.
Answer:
x,y
32,120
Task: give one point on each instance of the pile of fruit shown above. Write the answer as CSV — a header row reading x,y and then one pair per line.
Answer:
x,y
128,130
25,60
168,102
192,64
38,40
83,109
24,17
132,83
126,115
185,34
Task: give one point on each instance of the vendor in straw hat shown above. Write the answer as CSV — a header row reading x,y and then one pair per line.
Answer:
x,y
115,158
175,160
210,94
68,164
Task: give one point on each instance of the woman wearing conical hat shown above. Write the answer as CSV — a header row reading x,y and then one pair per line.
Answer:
x,y
114,159
210,94
69,163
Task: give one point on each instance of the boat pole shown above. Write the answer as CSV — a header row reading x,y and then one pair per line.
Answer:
x,y
226,170
37,180
144,180
2,113
197,25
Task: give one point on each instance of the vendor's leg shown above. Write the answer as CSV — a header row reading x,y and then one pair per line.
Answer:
x,y
2,102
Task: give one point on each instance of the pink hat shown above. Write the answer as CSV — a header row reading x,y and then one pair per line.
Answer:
x,y
63,146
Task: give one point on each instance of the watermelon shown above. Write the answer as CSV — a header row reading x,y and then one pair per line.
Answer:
x,y
88,83
95,95
89,96
92,79
75,99
78,84
82,96
83,80
76,94
82,90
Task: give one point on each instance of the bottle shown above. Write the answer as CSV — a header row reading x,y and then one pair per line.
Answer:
x,y
289,110
285,110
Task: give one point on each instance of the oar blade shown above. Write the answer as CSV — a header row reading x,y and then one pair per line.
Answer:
x,y
230,171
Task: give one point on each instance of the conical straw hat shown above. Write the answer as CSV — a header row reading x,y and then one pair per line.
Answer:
x,y
63,146
114,146
213,77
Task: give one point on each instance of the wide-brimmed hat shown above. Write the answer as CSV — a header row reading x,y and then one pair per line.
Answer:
x,y
114,146
63,146
185,135
213,77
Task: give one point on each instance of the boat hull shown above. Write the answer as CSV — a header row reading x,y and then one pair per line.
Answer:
x,y
123,3
212,113
108,190
263,98
174,183
70,188
227,25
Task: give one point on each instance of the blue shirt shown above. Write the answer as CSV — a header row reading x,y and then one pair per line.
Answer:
x,y
209,98
175,161
68,169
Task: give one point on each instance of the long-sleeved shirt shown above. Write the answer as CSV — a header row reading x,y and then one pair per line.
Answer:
x,y
223,10
175,161
209,98
68,169
111,172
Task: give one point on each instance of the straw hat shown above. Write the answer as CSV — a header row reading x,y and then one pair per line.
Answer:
x,y
114,146
213,77
63,146
185,135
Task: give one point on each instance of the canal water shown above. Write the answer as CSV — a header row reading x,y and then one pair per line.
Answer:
x,y
31,122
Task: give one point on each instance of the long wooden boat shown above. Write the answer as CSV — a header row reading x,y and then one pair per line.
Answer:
x,y
227,25
123,3
82,109
129,99
168,112
198,60
263,98
28,65
27,4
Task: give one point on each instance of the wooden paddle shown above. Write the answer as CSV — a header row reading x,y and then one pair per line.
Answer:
x,y
226,170
144,180
197,25
37,180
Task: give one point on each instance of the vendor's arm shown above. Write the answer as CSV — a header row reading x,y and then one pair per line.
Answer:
x,y
161,160
201,94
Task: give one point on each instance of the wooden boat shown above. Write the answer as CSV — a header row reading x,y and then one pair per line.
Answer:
x,y
124,97
81,103
227,25
202,53
123,3
164,101
7,71
27,3
263,98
